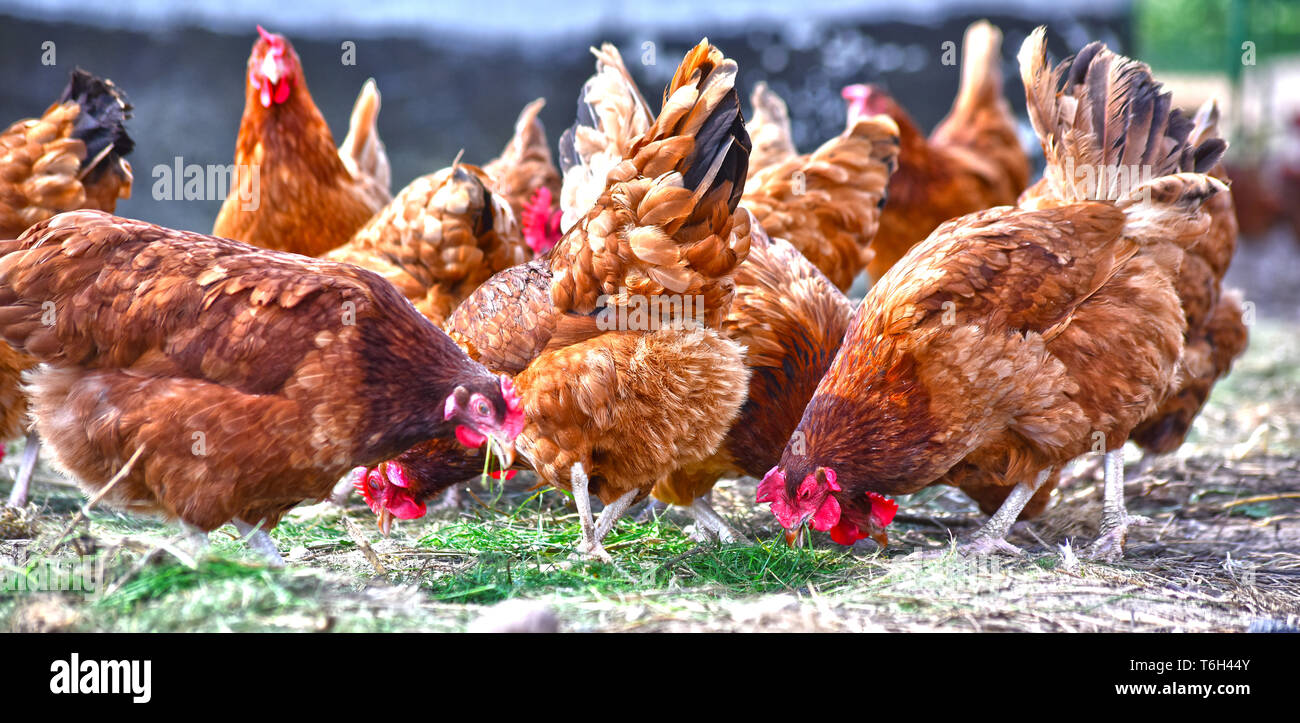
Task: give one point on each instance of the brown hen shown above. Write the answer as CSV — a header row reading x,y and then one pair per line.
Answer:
x,y
827,203
1012,340
439,239
617,397
247,380
291,189
972,160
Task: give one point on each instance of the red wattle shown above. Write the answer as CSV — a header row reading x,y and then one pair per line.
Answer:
x,y
404,506
827,515
469,437
883,509
846,533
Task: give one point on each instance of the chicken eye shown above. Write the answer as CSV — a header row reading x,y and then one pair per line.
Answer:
x,y
481,408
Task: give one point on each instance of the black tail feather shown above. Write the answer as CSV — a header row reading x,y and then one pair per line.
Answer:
x,y
723,131
101,124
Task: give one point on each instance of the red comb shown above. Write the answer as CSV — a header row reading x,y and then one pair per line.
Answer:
x,y
361,483
276,41
508,474
541,224
772,486
855,91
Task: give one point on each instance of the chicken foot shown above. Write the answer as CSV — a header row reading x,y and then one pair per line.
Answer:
x,y
32,450
990,539
260,542
709,525
594,532
653,508
195,540
1115,519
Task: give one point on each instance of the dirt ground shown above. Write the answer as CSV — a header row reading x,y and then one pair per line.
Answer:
x,y
1222,552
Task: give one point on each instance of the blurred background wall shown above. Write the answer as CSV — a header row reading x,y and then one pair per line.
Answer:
x,y
454,74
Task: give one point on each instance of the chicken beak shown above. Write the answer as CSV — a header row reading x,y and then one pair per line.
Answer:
x,y
881,538
385,521
794,538
270,69
502,451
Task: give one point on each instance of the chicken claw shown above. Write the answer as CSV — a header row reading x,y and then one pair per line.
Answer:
x,y
991,538
593,533
589,546
1115,519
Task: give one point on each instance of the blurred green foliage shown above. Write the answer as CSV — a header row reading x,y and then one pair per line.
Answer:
x,y
1207,35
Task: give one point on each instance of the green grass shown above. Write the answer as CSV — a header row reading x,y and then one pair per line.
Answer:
x,y
520,560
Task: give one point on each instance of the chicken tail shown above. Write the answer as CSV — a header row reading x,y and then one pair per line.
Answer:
x,y
612,114
530,135
525,166
770,129
362,151
1205,124
666,222
981,72
1104,121
101,125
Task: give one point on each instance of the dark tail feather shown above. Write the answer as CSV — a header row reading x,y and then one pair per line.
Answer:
x,y
1108,111
101,124
723,133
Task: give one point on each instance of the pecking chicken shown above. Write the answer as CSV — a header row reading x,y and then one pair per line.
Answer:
x,y
292,190
1003,345
439,239
247,380
827,203
790,319
972,160
71,157
619,393
786,313
527,178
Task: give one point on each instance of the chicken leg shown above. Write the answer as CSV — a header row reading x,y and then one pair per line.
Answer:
x,y
258,541
653,508
594,532
709,525
1115,519
195,540
32,450
990,539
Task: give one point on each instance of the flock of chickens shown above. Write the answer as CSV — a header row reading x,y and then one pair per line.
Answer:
x,y
407,343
